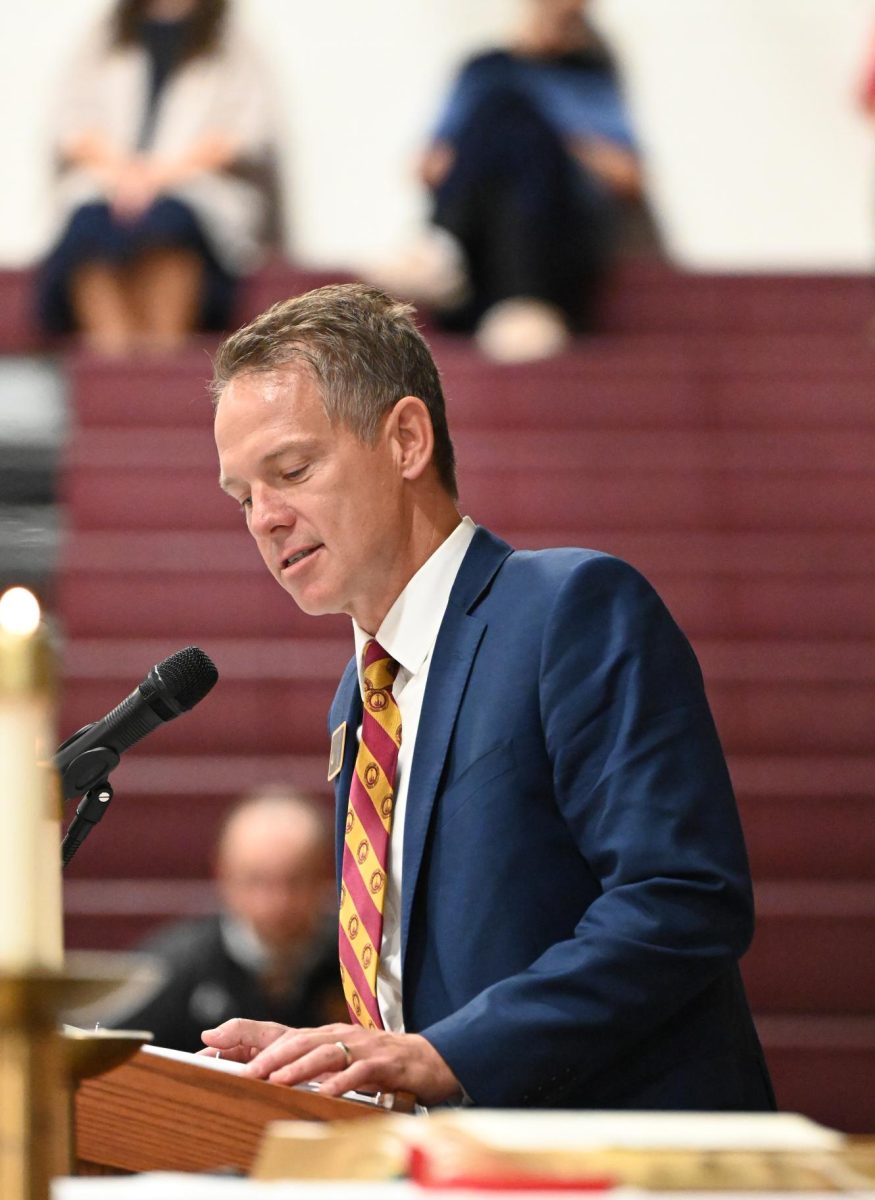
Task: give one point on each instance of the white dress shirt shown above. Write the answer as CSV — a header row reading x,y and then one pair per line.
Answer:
x,y
408,634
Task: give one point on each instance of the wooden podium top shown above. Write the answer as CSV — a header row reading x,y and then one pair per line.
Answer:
x,y
158,1114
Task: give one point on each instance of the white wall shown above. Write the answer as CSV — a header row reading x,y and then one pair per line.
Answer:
x,y
757,154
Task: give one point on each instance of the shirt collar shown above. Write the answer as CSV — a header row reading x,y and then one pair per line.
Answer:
x,y
409,630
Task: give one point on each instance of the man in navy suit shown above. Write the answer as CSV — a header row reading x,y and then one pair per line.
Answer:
x,y
568,893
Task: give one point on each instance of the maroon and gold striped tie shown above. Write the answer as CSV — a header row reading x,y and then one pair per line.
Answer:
x,y
366,845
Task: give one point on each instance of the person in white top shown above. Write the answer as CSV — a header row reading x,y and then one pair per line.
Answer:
x,y
166,165
568,891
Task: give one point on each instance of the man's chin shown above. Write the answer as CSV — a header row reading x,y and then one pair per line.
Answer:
x,y
311,602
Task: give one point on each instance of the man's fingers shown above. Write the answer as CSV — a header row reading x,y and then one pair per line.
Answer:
x,y
298,1042
288,1049
320,1061
243,1033
335,1070
363,1076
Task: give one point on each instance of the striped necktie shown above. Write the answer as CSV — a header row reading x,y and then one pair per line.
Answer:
x,y
366,844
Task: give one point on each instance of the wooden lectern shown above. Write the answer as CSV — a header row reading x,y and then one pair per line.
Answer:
x,y
158,1114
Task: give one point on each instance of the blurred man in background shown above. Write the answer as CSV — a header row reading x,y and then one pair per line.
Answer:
x,y
271,950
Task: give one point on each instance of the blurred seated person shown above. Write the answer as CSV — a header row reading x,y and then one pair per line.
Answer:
x,y
528,167
166,177
273,949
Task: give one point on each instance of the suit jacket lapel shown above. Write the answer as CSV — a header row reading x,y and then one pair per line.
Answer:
x,y
347,707
452,660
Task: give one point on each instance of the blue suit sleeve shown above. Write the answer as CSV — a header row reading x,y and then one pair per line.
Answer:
x,y
639,776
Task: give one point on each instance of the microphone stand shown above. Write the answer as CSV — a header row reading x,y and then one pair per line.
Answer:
x,y
93,805
86,775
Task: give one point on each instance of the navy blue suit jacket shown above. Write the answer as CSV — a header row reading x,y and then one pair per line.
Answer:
x,y
575,890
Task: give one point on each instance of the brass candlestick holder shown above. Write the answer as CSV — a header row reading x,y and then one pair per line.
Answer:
x,y
40,1065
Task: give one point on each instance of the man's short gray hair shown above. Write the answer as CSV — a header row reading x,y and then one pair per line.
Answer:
x,y
363,350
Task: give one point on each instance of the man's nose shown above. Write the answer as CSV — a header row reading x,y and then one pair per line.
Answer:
x,y
268,511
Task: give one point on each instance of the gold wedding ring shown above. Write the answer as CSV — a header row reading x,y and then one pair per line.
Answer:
x,y
346,1053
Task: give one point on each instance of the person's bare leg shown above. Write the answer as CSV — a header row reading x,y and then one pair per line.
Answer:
x,y
98,297
165,287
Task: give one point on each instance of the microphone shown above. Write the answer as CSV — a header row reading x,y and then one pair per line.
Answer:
x,y
172,687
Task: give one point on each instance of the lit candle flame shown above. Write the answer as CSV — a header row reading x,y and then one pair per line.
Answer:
x,y
19,612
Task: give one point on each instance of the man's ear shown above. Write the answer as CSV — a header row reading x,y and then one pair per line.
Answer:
x,y
410,429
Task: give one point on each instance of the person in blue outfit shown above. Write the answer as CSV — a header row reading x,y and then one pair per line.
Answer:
x,y
165,182
568,891
529,167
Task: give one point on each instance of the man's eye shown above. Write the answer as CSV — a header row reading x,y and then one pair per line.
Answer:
x,y
296,474
246,503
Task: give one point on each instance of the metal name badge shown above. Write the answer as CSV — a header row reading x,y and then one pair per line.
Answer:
x,y
335,756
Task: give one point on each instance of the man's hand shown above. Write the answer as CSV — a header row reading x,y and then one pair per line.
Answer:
x,y
378,1061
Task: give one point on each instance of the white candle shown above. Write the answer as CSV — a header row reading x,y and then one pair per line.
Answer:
x,y
30,858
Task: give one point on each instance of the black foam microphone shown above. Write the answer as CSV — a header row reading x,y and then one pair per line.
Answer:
x,y
172,687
